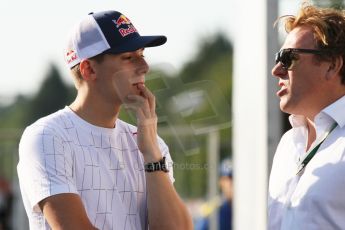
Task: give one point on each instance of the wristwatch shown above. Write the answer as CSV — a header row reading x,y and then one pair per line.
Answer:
x,y
156,166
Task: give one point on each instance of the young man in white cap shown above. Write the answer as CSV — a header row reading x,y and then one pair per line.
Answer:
x,y
82,167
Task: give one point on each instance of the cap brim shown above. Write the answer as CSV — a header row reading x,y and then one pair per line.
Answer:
x,y
138,43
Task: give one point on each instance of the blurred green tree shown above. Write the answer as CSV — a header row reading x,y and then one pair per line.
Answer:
x,y
53,95
211,70
14,115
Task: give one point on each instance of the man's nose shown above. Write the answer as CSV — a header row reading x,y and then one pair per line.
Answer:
x,y
143,67
278,70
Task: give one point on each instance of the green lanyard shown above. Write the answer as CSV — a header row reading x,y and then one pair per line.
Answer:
x,y
313,151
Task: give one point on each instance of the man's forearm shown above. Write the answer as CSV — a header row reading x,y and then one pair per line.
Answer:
x,y
165,208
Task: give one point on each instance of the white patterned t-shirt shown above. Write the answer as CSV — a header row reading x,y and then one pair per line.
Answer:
x,y
62,153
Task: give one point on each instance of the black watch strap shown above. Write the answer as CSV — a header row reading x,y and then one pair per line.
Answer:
x,y
156,166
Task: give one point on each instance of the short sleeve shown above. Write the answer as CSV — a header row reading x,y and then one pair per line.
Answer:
x,y
45,165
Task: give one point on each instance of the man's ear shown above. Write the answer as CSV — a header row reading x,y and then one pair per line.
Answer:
x,y
335,67
87,70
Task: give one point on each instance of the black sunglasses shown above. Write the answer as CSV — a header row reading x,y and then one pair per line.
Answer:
x,y
286,56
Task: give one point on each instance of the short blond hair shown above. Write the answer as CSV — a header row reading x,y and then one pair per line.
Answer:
x,y
76,74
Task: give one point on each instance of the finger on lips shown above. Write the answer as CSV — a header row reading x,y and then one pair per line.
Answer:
x,y
145,92
144,101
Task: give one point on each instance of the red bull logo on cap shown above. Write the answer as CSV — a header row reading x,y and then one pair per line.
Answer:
x,y
70,56
122,20
129,30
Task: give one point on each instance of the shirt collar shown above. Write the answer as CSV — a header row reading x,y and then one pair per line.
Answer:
x,y
335,111
297,120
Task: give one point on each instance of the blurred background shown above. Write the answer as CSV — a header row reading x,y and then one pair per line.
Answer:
x,y
191,77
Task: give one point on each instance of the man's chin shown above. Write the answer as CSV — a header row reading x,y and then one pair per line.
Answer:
x,y
284,106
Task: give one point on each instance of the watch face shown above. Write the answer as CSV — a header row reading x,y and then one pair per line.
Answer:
x,y
156,166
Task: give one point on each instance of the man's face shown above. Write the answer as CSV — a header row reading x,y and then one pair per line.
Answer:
x,y
119,75
302,85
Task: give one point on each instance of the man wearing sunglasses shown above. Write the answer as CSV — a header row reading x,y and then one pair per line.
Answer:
x,y
307,181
